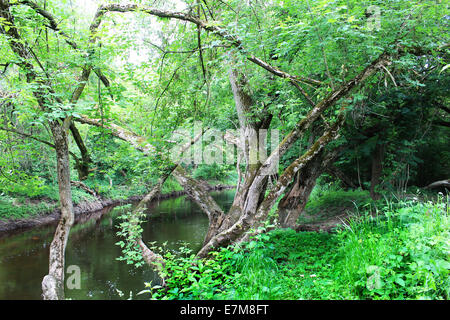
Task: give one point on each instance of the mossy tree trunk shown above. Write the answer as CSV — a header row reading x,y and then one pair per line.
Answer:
x,y
294,201
53,283
252,203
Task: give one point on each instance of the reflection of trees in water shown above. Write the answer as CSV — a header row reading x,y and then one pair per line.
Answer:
x,y
26,243
90,223
92,248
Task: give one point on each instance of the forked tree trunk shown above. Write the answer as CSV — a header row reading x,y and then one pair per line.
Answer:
x,y
53,283
254,213
251,146
251,204
294,202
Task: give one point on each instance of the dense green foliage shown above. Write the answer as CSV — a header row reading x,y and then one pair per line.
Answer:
x,y
401,252
145,77
158,85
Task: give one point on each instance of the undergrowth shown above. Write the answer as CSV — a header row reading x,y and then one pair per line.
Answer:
x,y
402,252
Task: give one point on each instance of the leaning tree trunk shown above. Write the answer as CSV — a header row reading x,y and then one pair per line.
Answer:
x,y
53,283
255,204
83,165
294,202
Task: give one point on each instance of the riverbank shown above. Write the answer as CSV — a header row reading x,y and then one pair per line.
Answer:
x,y
93,247
400,253
83,210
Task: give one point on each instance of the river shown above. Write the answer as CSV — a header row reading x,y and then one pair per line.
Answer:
x,y
92,247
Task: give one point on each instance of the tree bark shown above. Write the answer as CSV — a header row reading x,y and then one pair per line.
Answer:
x,y
207,204
254,216
83,165
293,203
152,259
53,283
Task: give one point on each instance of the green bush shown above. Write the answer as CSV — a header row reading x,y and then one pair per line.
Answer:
x,y
400,253
214,172
403,253
13,208
190,278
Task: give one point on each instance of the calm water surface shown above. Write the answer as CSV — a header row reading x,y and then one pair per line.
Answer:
x,y
91,246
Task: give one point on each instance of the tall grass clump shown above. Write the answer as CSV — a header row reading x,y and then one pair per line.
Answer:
x,y
400,253
329,200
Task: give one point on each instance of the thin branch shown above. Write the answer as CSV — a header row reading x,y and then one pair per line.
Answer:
x,y
209,10
84,187
50,18
168,85
390,75
303,92
230,7
199,40
204,48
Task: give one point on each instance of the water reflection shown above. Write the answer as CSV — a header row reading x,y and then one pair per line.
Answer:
x,y
24,257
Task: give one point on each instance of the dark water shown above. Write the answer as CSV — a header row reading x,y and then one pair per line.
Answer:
x,y
91,247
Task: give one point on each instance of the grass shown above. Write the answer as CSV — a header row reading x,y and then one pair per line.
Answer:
x,y
326,202
285,265
12,208
20,207
401,252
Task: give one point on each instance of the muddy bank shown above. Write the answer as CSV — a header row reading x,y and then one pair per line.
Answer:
x,y
84,211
